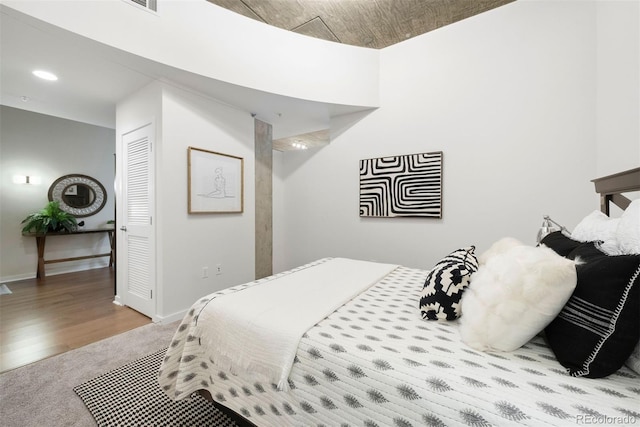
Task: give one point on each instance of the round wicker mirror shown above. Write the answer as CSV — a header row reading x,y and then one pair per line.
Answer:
x,y
79,195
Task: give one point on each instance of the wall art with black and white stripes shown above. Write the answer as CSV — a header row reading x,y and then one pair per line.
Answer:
x,y
402,186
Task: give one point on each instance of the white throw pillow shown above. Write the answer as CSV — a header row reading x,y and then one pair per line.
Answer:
x,y
598,227
514,296
628,230
499,247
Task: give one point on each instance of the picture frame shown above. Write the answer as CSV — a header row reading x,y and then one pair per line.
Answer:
x,y
402,186
215,182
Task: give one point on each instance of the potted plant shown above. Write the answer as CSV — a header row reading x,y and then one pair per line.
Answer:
x,y
51,218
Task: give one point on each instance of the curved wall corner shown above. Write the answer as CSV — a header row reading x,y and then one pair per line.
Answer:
x,y
202,38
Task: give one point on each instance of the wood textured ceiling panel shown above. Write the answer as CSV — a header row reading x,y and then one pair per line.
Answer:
x,y
238,6
316,28
285,14
367,23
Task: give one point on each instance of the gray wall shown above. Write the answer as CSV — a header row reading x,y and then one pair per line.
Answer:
x,y
48,147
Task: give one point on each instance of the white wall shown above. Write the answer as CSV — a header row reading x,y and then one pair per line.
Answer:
x,y
49,147
202,38
509,96
188,242
140,109
618,93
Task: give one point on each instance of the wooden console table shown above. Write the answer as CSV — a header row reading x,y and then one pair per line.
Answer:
x,y
41,239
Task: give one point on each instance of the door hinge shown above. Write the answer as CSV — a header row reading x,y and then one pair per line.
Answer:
x,y
150,220
150,294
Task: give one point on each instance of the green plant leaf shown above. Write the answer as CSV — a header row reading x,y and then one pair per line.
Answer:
x,y
50,218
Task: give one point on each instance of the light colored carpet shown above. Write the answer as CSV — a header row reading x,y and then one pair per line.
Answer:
x,y
41,394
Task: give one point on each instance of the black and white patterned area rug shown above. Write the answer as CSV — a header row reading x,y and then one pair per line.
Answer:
x,y
130,396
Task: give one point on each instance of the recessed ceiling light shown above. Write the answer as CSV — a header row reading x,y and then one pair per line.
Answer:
x,y
46,75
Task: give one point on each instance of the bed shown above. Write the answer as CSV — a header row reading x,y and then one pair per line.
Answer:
x,y
374,361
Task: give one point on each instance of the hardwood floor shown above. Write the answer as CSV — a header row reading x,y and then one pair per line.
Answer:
x,y
49,316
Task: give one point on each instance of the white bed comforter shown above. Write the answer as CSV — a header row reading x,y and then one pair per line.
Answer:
x,y
255,333
375,363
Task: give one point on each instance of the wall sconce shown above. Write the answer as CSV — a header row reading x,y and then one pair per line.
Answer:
x,y
549,226
25,179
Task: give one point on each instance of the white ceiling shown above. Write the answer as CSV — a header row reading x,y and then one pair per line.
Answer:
x,y
88,87
94,77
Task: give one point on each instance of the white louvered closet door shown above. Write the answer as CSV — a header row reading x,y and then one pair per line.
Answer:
x,y
138,259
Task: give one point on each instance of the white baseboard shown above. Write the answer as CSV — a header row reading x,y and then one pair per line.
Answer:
x,y
17,277
163,320
71,269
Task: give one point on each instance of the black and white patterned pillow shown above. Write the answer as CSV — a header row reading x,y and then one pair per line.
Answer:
x,y
440,297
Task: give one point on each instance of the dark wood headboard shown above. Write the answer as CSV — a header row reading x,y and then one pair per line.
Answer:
x,y
610,188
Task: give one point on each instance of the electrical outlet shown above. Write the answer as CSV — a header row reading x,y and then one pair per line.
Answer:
x,y
219,269
205,272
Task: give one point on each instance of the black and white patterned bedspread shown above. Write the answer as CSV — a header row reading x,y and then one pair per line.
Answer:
x,y
375,362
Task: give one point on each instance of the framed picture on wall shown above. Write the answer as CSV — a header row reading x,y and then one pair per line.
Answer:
x,y
215,182
402,186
